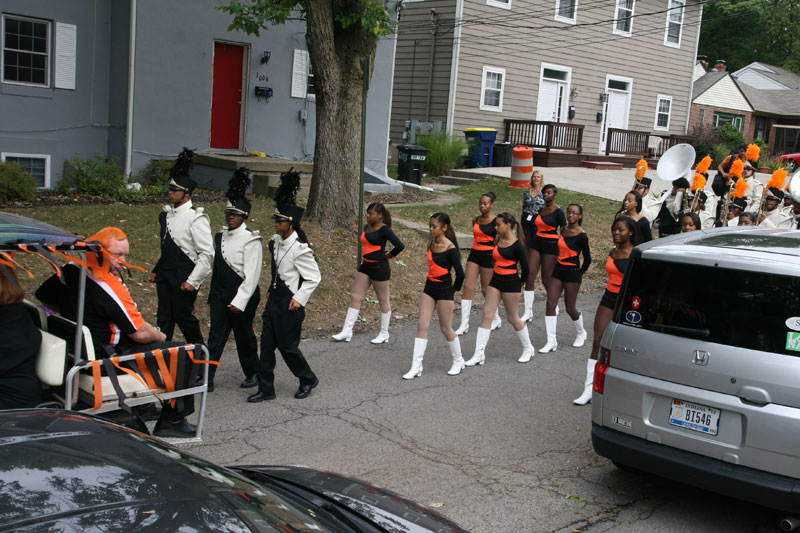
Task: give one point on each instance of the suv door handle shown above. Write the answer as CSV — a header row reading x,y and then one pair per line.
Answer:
x,y
754,395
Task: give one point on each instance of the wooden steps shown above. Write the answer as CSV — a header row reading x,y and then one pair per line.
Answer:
x,y
602,165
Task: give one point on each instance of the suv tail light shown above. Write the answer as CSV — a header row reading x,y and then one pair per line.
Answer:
x,y
600,369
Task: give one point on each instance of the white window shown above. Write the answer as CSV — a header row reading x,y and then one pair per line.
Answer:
x,y
672,36
492,89
623,18
505,4
726,118
37,165
566,11
663,110
302,77
26,51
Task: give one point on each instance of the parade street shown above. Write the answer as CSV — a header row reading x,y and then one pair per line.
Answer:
x,y
499,447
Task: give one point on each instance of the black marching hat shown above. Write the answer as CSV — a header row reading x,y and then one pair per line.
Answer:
x,y
182,182
741,203
646,182
681,183
238,185
774,192
179,179
286,196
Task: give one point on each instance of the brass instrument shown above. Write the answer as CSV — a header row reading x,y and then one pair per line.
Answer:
x,y
761,205
676,163
726,204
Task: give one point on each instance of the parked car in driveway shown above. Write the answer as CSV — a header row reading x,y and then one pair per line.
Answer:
x,y
791,160
67,471
698,378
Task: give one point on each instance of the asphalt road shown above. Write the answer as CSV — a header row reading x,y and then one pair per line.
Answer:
x,y
498,448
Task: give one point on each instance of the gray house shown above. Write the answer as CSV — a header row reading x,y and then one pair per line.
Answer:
x,y
140,79
570,73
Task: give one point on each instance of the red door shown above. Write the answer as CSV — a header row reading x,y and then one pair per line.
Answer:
x,y
226,99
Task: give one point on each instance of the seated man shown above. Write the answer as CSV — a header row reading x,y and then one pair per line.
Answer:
x,y
114,320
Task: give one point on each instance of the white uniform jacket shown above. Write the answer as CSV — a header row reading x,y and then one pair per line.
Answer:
x,y
241,250
651,205
709,214
753,194
190,230
293,260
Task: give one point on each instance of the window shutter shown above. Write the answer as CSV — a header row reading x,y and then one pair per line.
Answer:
x,y
66,39
300,74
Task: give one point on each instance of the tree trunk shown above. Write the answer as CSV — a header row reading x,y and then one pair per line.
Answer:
x,y
337,58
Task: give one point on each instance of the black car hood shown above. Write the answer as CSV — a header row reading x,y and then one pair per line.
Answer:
x,y
383,507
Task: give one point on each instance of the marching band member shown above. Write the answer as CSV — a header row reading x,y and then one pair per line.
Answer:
x,y
747,219
234,295
505,285
443,256
772,214
651,203
738,205
479,261
755,188
671,207
705,209
374,270
295,275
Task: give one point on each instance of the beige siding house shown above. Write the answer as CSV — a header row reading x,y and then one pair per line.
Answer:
x,y
626,64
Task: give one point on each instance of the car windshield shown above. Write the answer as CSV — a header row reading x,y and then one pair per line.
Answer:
x,y
753,310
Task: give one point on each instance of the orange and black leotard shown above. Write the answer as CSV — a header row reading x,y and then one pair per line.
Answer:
x,y
547,225
506,259
484,235
440,264
374,242
570,249
616,270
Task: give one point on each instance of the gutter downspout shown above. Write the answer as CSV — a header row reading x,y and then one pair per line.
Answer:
x,y
434,26
451,101
691,85
131,72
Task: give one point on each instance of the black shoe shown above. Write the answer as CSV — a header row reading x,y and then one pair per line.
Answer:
x,y
249,383
181,429
260,397
305,390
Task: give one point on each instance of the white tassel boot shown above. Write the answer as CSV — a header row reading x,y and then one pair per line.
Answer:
x,y
550,323
586,397
416,359
528,314
481,340
383,336
458,361
347,331
496,322
580,333
466,305
527,347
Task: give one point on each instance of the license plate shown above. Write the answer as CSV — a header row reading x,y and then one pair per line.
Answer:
x,y
693,416
418,158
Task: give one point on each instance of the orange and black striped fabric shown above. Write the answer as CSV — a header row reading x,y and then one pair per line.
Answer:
x,y
506,259
374,242
570,248
483,236
616,271
440,264
547,225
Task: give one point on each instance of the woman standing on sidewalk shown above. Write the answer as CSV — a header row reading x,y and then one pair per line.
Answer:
x,y
443,256
567,277
480,259
374,270
623,232
632,208
532,202
505,284
543,251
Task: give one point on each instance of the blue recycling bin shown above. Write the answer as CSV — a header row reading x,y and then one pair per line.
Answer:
x,y
481,145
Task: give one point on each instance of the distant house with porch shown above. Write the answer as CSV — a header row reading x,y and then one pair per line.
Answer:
x,y
718,99
140,79
572,81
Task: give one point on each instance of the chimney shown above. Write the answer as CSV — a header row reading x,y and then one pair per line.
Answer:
x,y
703,61
719,66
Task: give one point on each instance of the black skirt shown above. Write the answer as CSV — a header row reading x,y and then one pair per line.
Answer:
x,y
506,282
483,258
609,299
439,291
380,271
567,274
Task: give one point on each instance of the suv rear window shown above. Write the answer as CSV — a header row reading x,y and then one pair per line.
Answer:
x,y
738,308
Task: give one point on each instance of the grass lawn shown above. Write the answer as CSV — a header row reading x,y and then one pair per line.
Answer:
x,y
335,250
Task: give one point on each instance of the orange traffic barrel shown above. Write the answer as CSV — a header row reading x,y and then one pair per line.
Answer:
x,y
521,167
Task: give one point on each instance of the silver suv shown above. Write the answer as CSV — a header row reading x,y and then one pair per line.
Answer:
x,y
698,378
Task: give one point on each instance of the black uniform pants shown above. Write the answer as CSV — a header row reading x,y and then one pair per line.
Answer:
x,y
281,330
177,307
222,322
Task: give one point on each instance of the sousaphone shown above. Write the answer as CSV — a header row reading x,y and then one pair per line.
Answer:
x,y
677,162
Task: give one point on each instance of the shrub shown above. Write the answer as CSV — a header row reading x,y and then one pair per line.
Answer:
x,y
704,145
156,172
444,152
100,176
729,135
15,183
720,153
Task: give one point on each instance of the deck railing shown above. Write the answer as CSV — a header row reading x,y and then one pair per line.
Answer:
x,y
543,134
641,143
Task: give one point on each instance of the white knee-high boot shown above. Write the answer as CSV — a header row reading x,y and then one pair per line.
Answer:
x,y
481,340
416,359
466,305
550,323
527,347
458,361
580,333
528,299
496,322
383,336
586,397
347,331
